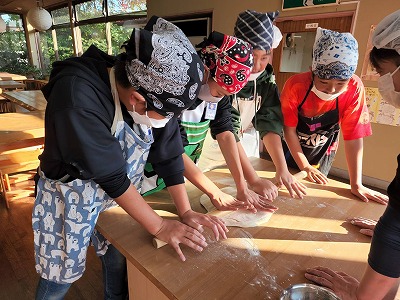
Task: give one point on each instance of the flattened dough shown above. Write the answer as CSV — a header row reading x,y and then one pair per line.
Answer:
x,y
238,218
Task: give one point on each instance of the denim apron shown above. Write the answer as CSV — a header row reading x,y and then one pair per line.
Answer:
x,y
318,137
65,213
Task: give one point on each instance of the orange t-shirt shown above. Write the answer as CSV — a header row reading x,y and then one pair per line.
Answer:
x,y
353,111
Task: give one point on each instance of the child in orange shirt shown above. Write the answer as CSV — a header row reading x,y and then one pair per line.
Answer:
x,y
317,104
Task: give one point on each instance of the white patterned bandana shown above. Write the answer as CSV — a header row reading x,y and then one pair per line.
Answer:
x,y
335,55
165,68
387,32
256,28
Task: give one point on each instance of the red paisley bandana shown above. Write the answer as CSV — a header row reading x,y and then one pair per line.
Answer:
x,y
229,59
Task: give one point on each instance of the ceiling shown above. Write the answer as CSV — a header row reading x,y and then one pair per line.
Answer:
x,y
22,6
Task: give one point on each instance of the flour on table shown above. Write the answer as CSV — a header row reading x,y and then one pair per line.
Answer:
x,y
238,218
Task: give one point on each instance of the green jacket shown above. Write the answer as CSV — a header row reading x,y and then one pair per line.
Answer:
x,y
268,117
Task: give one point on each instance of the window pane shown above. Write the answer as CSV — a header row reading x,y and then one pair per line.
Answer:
x,y
116,7
94,34
13,49
47,48
60,16
121,31
89,10
64,47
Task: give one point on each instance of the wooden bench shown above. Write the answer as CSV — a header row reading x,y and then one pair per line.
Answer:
x,y
15,162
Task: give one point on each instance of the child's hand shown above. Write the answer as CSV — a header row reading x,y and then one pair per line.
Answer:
x,y
224,201
314,175
366,194
198,220
291,183
367,225
265,188
343,285
257,201
175,233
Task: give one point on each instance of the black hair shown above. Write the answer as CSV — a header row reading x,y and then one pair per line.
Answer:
x,y
377,56
120,70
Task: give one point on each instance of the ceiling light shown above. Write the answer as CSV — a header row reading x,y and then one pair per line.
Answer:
x,y
39,18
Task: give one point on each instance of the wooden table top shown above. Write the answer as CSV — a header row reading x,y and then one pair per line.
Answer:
x,y
31,100
11,84
20,130
10,76
253,263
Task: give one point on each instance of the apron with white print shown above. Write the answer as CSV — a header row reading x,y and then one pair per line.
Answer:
x,y
318,138
65,213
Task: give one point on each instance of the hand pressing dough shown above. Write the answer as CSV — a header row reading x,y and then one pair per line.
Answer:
x,y
238,218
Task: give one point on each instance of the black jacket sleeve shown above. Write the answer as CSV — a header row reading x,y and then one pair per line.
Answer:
x,y
223,118
184,138
78,138
166,153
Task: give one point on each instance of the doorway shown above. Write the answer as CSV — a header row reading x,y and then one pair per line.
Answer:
x,y
294,53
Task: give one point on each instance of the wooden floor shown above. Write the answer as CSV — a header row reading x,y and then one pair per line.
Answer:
x,y
18,278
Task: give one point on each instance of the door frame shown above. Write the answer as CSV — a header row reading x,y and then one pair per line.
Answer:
x,y
322,19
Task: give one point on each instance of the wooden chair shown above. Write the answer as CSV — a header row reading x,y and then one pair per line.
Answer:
x,y
34,84
3,102
15,162
5,105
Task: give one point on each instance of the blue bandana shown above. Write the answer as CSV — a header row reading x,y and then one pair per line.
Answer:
x,y
256,28
335,55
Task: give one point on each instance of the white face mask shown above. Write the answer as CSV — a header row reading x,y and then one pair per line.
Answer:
x,y
146,120
254,76
205,94
386,89
325,96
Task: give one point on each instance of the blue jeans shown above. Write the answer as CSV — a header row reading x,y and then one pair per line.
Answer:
x,y
114,280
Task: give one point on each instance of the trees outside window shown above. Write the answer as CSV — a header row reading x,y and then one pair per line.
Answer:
x,y
104,23
13,50
94,34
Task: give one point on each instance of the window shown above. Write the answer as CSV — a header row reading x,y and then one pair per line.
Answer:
x,y
89,10
13,51
121,31
56,43
48,53
118,7
108,36
63,46
94,34
103,23
60,16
